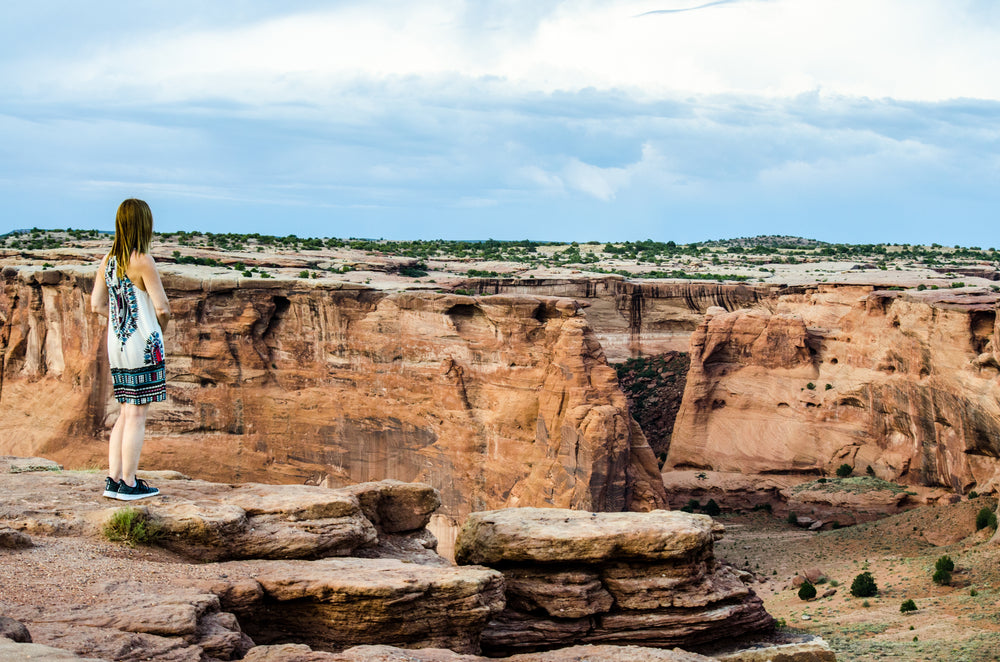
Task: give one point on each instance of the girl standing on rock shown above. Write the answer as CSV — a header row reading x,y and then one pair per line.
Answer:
x,y
128,289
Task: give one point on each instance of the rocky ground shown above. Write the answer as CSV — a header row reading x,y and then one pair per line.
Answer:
x,y
280,573
959,622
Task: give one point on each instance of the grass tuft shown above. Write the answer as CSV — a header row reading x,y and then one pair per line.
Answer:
x,y
132,527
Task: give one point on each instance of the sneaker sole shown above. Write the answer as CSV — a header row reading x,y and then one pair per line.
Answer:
x,y
136,497
111,495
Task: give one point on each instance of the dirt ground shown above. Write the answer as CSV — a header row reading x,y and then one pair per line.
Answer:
x,y
955,623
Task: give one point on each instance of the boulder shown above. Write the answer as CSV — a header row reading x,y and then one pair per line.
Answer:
x,y
13,539
332,604
608,578
586,653
14,630
557,535
394,506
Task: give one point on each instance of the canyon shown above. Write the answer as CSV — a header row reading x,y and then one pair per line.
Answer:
x,y
903,385
496,401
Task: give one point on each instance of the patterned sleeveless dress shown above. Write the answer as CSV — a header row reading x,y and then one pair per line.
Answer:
x,y
135,342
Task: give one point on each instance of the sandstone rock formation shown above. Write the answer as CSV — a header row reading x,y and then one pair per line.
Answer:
x,y
291,653
906,383
633,318
80,595
495,401
244,545
610,578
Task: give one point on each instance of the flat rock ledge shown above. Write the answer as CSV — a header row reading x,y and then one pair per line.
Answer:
x,y
572,577
332,604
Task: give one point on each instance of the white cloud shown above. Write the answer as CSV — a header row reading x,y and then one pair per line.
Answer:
x,y
913,49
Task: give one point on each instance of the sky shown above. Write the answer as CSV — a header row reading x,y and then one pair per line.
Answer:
x,y
857,121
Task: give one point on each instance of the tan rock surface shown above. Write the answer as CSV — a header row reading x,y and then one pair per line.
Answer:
x,y
301,381
332,604
849,375
571,536
587,653
658,567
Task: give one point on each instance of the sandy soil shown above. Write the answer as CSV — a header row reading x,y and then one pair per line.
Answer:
x,y
956,623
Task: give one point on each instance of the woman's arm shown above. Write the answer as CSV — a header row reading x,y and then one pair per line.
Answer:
x,y
151,282
99,295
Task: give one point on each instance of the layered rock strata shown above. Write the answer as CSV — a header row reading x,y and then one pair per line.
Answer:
x,y
907,383
633,317
495,401
611,578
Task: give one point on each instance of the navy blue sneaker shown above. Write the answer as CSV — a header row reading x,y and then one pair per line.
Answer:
x,y
139,491
111,488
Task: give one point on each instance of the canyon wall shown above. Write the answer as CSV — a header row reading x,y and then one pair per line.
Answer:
x,y
635,318
495,401
907,383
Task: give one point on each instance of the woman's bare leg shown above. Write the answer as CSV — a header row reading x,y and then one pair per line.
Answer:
x,y
133,436
115,447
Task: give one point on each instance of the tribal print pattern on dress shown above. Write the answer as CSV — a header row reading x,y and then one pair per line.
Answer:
x,y
124,307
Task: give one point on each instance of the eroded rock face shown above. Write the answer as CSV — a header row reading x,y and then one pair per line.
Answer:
x,y
333,604
905,383
297,653
635,318
495,401
614,578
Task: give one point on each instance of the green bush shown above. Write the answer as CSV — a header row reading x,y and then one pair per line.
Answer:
x,y
945,563
807,591
792,518
908,605
132,527
712,508
864,585
986,518
810,386
973,494
942,577
870,471
844,470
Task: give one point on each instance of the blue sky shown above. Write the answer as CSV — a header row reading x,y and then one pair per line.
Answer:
x,y
842,120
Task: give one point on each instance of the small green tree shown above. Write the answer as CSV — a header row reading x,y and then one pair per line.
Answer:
x,y
945,563
986,518
844,470
807,591
942,577
712,508
908,605
864,585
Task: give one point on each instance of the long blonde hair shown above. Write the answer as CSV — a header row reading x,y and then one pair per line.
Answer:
x,y
133,232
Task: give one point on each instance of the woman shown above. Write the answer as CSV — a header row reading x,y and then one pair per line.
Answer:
x,y
128,289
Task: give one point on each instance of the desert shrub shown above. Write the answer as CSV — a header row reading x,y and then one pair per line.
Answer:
x,y
132,527
766,507
792,518
807,591
973,494
829,386
712,508
864,585
973,592
303,274
908,605
844,470
986,518
942,577
810,386
413,272
945,563
870,471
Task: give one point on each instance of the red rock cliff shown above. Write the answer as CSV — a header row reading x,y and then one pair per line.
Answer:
x,y
496,401
904,382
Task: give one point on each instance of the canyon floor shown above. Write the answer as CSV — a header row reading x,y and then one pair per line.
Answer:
x,y
959,622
